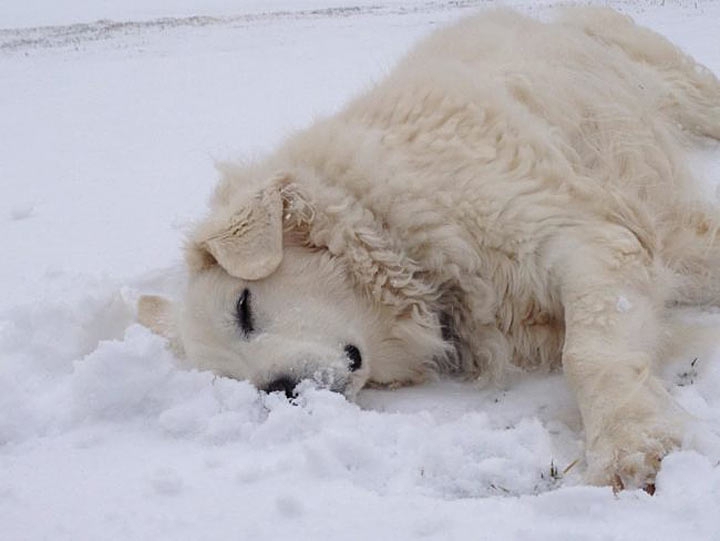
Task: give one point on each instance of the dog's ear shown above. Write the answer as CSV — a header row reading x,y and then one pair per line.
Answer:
x,y
245,239
156,313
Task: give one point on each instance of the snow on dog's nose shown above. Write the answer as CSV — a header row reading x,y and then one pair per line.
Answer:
x,y
335,376
282,384
290,383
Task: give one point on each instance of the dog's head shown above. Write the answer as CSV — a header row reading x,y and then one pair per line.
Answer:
x,y
284,288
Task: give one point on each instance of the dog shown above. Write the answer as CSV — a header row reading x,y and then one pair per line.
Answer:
x,y
514,194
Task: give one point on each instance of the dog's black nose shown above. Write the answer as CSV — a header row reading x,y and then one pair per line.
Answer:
x,y
282,384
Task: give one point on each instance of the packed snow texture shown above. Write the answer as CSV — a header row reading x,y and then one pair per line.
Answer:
x,y
109,135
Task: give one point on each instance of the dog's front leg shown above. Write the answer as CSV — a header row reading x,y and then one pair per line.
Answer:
x,y
612,294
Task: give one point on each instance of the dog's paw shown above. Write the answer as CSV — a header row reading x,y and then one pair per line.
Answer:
x,y
629,458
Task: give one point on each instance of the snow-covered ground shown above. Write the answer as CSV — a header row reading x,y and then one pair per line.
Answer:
x,y
108,134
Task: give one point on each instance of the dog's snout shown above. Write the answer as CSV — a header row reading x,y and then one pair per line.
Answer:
x,y
282,384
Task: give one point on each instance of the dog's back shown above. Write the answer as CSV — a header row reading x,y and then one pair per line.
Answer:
x,y
594,105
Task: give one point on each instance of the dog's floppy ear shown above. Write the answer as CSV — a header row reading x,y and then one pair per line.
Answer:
x,y
156,313
245,239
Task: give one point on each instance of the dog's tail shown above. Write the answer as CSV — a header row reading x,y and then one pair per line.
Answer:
x,y
691,92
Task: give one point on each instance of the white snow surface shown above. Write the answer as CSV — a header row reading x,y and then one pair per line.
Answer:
x,y
109,134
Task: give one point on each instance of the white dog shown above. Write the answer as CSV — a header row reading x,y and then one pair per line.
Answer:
x,y
513,194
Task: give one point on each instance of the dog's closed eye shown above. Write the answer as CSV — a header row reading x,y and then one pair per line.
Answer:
x,y
243,314
353,354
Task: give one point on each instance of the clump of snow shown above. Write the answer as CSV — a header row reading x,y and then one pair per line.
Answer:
x,y
623,304
108,144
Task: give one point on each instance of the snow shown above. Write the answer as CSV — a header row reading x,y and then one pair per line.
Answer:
x,y
109,137
623,304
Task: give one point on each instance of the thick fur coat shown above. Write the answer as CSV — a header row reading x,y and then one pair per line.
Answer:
x,y
513,195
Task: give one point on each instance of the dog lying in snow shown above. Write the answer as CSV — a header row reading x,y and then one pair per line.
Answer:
x,y
512,195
